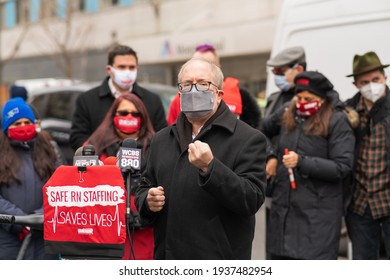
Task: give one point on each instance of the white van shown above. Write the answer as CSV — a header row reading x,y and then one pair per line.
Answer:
x,y
332,32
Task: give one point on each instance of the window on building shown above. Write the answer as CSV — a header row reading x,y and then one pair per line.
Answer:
x,y
61,8
35,8
14,12
125,2
91,6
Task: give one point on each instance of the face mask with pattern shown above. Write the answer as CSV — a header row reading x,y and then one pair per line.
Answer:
x,y
127,124
307,109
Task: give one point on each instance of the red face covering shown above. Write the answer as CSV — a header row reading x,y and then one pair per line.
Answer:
x,y
127,124
307,109
22,133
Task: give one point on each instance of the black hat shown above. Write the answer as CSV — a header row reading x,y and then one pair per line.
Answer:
x,y
366,63
18,91
314,82
288,57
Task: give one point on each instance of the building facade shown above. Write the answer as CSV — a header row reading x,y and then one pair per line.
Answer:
x,y
70,38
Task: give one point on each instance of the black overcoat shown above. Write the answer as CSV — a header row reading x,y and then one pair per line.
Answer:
x,y
305,223
206,216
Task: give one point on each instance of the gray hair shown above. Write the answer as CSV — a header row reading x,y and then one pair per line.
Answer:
x,y
215,70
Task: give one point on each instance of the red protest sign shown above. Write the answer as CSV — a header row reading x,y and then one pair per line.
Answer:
x,y
85,208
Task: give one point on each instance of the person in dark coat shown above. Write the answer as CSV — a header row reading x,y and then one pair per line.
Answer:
x,y
205,175
286,65
27,160
368,217
92,106
317,144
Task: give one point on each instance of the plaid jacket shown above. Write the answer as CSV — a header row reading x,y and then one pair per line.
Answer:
x,y
372,158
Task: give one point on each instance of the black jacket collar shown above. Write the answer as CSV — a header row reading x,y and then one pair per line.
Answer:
x,y
223,118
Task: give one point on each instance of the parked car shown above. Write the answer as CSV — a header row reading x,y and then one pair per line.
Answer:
x,y
56,106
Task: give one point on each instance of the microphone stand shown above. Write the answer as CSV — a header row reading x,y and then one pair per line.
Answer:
x,y
130,222
128,171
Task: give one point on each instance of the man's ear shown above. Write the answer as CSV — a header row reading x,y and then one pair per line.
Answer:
x,y
300,68
108,69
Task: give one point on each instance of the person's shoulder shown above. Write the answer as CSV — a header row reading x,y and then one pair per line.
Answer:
x,y
343,117
93,92
274,95
245,92
144,93
354,100
163,134
245,130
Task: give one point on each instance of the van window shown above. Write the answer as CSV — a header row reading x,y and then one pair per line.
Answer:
x,y
59,105
40,104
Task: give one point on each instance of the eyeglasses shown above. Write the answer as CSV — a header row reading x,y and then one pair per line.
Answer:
x,y
124,113
200,86
282,70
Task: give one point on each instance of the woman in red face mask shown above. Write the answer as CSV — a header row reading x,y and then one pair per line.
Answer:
x,y
128,118
27,160
315,156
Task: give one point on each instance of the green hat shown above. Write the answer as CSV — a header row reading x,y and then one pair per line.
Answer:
x,y
366,63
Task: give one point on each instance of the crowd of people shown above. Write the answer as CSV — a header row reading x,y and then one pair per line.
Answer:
x,y
218,156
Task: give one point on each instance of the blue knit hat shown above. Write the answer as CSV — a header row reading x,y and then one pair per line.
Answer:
x,y
14,110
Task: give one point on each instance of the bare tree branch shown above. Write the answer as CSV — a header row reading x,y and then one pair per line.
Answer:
x,y
17,44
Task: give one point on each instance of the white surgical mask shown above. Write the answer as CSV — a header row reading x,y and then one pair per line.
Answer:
x,y
124,78
372,91
281,82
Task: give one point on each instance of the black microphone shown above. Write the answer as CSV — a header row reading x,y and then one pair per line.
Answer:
x,y
129,160
86,156
88,150
128,157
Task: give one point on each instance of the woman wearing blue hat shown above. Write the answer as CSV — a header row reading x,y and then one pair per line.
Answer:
x,y
315,155
27,161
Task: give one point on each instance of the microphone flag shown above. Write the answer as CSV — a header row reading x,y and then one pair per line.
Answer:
x,y
128,156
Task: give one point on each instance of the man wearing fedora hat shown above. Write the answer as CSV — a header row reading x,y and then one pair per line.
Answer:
x,y
369,211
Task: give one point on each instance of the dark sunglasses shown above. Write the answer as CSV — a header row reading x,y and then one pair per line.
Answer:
x,y
124,113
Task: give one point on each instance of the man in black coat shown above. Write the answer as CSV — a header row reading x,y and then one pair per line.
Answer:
x,y
205,175
92,106
286,65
